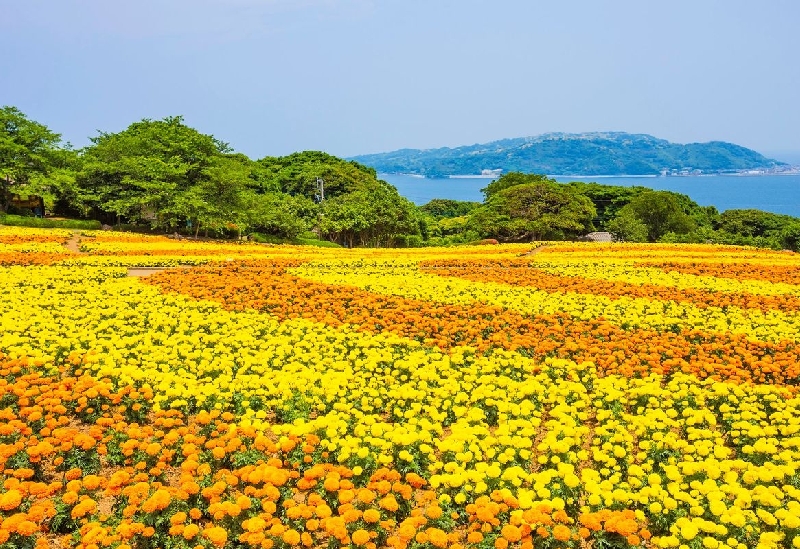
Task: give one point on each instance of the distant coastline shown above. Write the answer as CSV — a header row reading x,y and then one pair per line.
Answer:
x,y
794,172
766,192
611,154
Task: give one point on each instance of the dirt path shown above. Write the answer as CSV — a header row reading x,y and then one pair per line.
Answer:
x,y
145,271
536,250
74,243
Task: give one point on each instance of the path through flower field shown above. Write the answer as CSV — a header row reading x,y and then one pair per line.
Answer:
x,y
586,395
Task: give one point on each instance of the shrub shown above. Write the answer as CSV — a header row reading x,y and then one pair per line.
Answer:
x,y
44,223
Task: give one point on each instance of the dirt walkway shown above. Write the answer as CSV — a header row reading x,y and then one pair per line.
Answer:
x,y
74,245
145,271
536,250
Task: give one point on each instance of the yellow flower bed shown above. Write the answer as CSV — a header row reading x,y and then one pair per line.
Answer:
x,y
405,279
134,416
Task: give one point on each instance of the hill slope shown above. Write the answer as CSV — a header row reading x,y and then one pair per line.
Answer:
x,y
599,153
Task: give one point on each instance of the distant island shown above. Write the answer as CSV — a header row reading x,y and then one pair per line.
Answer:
x,y
596,153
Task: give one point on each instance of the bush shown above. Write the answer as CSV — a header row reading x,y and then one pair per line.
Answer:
x,y
410,241
266,238
311,241
315,242
44,223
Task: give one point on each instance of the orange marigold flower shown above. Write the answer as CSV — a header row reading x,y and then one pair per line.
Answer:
x,y
291,537
216,535
389,503
190,531
85,507
346,496
160,500
10,500
437,537
73,474
561,532
371,515
91,482
27,528
361,537
434,512
366,495
511,533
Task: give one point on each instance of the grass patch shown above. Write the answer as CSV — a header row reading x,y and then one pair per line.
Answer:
x,y
44,223
300,241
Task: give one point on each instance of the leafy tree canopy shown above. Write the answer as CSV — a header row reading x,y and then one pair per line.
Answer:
x,y
511,179
297,174
440,208
27,153
163,172
539,210
751,222
660,212
369,217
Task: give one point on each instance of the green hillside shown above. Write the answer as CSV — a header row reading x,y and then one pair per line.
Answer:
x,y
606,153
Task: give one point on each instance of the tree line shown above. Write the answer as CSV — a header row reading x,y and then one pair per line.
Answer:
x,y
164,175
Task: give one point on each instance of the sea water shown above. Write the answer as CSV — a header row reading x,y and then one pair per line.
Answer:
x,y
770,193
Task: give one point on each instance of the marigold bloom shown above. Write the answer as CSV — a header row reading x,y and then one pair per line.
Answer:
x,y
216,535
190,531
291,537
10,500
371,516
561,532
361,537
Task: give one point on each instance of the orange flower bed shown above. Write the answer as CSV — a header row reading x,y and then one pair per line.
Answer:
x,y
787,274
32,258
522,273
268,287
82,455
28,238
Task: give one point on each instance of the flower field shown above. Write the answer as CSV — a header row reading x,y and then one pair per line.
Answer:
x,y
517,396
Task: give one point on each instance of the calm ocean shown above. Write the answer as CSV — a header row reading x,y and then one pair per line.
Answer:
x,y
771,193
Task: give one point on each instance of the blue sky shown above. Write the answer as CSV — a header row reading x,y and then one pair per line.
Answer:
x,y
359,76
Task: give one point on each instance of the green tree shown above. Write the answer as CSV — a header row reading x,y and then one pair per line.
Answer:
x,y
751,222
162,172
441,208
27,154
512,179
790,236
217,200
377,216
660,211
627,227
280,214
607,199
542,210
297,175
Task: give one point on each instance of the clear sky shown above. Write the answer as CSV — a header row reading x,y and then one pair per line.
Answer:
x,y
359,76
